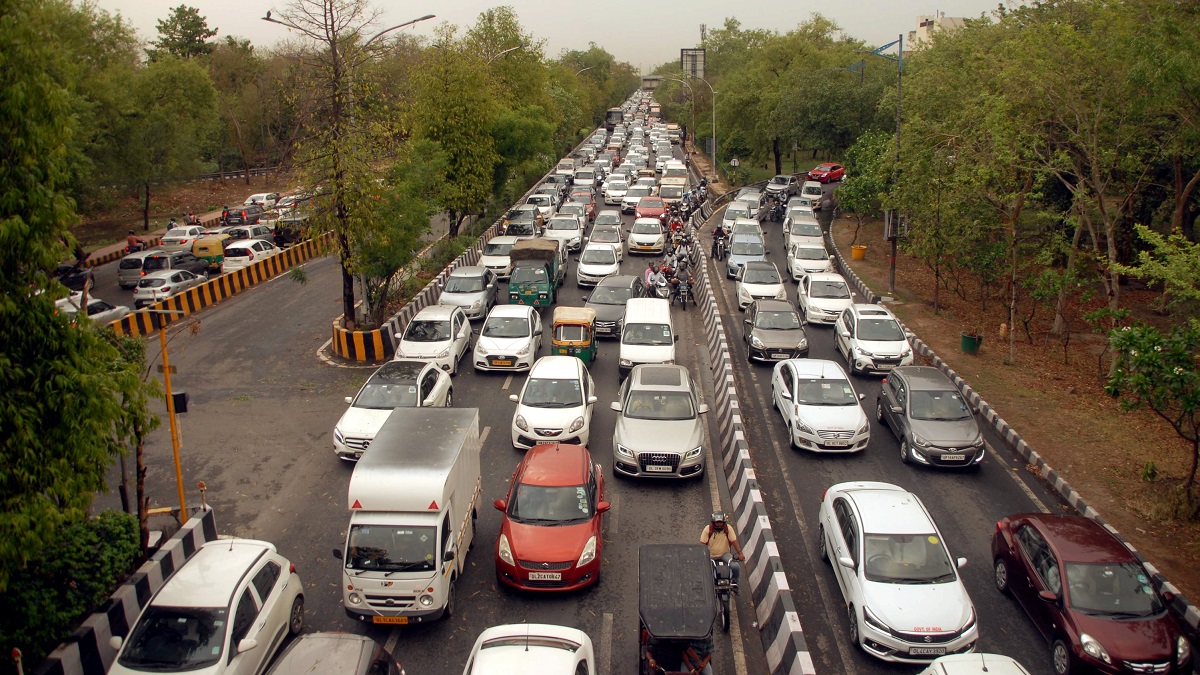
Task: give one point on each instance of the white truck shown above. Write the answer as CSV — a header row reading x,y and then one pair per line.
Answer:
x,y
413,501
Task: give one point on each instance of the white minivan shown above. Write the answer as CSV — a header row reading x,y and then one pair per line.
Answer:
x,y
648,335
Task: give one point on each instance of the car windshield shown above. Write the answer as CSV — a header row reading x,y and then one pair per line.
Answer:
x,y
606,236
812,190
177,234
825,392
425,330
618,185
638,191
563,224
798,212
496,249
558,505
883,330
646,228
549,393
747,248
599,256
777,320
538,200
610,295
806,230
174,639
779,180
574,208
737,211
392,548
647,334
907,559
518,229
1113,589
505,327
671,191
939,406
659,405
810,253
381,394
608,219
828,289
528,274
463,285
758,275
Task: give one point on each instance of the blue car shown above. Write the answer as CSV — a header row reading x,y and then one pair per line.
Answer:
x,y
744,248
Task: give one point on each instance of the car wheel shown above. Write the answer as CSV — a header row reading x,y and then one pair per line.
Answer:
x,y
904,450
296,617
853,626
449,612
879,411
1000,575
449,398
1060,655
821,543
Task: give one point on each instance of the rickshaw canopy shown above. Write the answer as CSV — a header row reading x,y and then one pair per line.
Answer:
x,y
585,315
677,597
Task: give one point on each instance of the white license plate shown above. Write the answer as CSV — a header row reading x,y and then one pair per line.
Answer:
x,y
885,366
545,576
927,651
779,356
954,458
658,468
835,443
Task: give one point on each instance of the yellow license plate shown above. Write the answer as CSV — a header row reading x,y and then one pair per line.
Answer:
x,y
501,362
390,619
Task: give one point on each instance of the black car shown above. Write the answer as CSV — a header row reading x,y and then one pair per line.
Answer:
x,y
246,214
608,299
175,260
74,277
290,231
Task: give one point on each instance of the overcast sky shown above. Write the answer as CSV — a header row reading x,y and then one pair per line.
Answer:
x,y
642,33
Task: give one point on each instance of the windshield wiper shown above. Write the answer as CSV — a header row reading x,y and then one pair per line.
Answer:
x,y
910,580
1126,615
534,521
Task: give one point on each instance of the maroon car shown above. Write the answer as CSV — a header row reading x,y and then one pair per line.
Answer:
x,y
825,173
585,197
1088,595
651,207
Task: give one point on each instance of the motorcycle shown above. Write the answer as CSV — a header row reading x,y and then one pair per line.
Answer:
x,y
683,291
779,212
726,586
718,248
662,290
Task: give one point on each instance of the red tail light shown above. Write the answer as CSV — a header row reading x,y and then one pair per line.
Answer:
x,y
252,255
884,381
166,289
824,493
292,567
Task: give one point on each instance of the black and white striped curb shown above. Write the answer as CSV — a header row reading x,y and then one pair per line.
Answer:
x,y
87,651
1180,604
775,609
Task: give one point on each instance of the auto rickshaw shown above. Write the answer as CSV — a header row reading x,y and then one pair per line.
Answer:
x,y
677,607
211,248
574,333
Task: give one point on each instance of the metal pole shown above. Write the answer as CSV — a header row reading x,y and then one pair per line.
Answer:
x,y
896,219
162,342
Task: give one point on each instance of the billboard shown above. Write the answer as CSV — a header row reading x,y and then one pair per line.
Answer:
x,y
691,61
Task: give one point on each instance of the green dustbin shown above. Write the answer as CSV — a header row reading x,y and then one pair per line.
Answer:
x,y
970,343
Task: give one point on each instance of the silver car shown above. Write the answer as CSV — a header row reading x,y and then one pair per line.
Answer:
x,y
473,288
773,331
658,431
927,413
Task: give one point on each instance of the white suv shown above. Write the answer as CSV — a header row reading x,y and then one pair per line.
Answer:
x,y
871,339
227,610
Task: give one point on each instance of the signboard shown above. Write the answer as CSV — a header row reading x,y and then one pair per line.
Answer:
x,y
691,61
895,225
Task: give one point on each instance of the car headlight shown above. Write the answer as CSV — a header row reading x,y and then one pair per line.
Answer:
x,y
589,552
426,600
523,350
624,451
907,353
1093,648
576,425
477,304
802,343
803,428
660,241
669,362
693,453
743,293
505,552
755,342
920,442
443,354
354,598
338,436
970,622
1183,650
520,422
978,442
872,621
781,295
864,428
862,352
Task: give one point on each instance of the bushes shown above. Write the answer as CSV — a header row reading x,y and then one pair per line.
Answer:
x,y
48,599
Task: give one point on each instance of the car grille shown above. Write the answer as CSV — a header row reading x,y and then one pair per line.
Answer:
x,y
836,435
545,566
606,326
926,638
550,433
492,360
357,443
659,459
779,353
532,583
391,601
1145,667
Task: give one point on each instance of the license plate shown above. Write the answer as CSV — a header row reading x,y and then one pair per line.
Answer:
x,y
390,619
545,576
833,443
779,356
501,362
885,366
927,651
658,468
954,458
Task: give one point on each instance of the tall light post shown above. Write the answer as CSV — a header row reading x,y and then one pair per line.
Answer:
x,y
692,96
894,229
166,368
714,120
502,53
583,69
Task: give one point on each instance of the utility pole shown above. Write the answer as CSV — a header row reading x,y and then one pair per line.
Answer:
x,y
892,230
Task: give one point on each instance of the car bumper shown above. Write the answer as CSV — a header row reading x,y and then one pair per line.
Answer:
x,y
878,364
658,465
816,443
527,439
588,280
821,316
572,578
654,249
770,354
950,458
502,362
608,329
444,363
887,647
368,616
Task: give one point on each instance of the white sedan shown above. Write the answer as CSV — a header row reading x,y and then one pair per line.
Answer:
x,y
163,284
99,311
440,333
904,597
759,280
403,383
531,648
555,405
180,238
246,252
509,339
823,297
805,259
820,408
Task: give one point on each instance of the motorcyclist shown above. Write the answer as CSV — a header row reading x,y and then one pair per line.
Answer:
x,y
718,234
720,538
134,243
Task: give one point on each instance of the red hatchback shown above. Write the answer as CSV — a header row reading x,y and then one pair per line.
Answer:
x,y
550,537
1088,595
825,173
651,207
585,197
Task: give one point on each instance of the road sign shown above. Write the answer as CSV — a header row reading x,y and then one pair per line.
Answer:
x,y
171,369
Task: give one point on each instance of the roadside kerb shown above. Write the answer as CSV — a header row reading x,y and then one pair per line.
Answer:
x,y
87,651
1180,604
779,628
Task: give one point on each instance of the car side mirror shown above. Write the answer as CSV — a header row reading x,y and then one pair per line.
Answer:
x,y
349,399
115,642
1047,596
428,402
846,561
513,398
861,396
603,506
500,505
677,338
246,645
787,395
703,408
615,405
399,336
961,562
591,400
896,410
448,556
337,553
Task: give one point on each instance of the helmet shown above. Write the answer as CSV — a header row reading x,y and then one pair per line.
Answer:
x,y
718,516
131,232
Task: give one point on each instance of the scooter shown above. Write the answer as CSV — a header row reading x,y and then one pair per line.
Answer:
x,y
726,586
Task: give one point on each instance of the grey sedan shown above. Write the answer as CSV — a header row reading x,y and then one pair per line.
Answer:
x,y
929,416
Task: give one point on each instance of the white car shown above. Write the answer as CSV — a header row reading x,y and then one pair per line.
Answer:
x,y
747,226
608,234
804,259
225,612
544,204
555,405
804,229
440,333
495,256
180,238
811,190
905,599
647,236
608,217
632,196
733,212
821,298
614,191
267,200
758,280
533,649
99,311
975,664
596,262
163,284
567,229
246,252
508,339
871,339
403,383
820,408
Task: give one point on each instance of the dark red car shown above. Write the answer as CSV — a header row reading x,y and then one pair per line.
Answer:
x,y
586,198
1089,596
651,207
824,173
550,533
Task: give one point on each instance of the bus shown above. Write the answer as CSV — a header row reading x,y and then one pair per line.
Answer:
x,y
613,117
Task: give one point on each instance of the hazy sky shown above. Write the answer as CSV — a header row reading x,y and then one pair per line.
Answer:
x,y
642,33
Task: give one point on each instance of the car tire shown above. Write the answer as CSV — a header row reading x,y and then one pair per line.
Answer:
x,y
904,451
879,412
449,611
1060,658
1000,575
854,637
296,616
821,544
450,398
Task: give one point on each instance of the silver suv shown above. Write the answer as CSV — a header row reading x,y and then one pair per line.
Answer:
x,y
927,413
658,431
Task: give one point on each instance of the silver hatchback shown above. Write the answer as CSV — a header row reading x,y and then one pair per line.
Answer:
x,y
927,413
473,288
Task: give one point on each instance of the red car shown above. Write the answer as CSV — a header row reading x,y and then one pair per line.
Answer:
x,y
550,532
825,173
1088,595
651,207
586,198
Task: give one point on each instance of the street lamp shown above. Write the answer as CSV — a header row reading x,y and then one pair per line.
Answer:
x,y
894,233
714,120
583,69
325,38
692,96
499,54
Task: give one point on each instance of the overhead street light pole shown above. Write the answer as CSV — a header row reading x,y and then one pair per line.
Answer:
x,y
499,54
714,121
692,96
894,229
583,69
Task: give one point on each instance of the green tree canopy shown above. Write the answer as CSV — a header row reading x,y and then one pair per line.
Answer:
x,y
184,34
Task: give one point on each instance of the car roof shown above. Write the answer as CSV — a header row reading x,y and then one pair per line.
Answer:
x,y
660,377
888,509
435,312
761,264
241,242
212,574
555,464
618,280
1080,539
864,309
601,244
314,653
818,369
925,378
556,366
970,664
826,276
400,370
469,271
503,239
160,274
746,236
523,311
772,305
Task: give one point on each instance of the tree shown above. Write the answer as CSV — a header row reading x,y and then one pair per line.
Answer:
x,y
1173,262
1160,373
869,167
183,34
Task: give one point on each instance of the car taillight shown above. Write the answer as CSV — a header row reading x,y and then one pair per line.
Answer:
x,y
999,524
824,493
292,567
166,289
184,241
252,255
883,381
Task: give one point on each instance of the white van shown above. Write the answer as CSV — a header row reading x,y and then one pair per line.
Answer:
x,y
648,336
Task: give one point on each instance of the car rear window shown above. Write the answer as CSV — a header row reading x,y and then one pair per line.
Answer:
x,y
151,283
237,252
156,262
131,263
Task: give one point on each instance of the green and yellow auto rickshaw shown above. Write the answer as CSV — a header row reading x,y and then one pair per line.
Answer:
x,y
574,333
211,247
